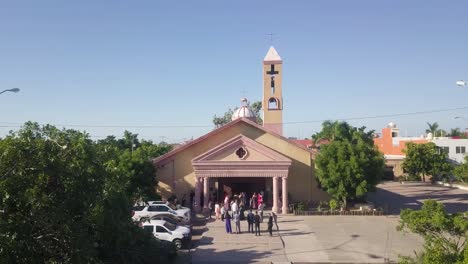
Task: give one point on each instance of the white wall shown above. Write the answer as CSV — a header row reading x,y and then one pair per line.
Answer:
x,y
452,144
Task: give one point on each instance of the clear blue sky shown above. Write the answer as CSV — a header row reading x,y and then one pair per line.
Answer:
x,y
133,63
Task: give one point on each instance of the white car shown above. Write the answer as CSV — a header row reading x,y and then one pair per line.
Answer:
x,y
163,230
156,208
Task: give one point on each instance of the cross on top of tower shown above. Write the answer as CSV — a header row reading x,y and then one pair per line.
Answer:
x,y
243,92
271,38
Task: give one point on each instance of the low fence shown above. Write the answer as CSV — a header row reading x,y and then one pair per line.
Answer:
x,y
337,212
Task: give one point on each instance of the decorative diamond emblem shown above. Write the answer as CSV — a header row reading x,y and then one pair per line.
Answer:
x,y
241,153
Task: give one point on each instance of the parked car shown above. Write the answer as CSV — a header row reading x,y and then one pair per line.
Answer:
x,y
162,230
172,206
176,220
159,208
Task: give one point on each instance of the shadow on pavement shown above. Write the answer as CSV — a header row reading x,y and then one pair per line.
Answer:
x,y
245,255
393,197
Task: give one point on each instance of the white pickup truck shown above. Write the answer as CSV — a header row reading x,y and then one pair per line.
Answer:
x,y
163,230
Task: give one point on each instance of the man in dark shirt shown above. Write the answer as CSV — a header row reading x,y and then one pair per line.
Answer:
x,y
250,221
257,223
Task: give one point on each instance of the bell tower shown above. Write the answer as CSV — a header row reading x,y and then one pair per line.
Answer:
x,y
272,103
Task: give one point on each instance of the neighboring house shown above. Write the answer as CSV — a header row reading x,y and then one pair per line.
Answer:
x,y
304,142
456,148
392,145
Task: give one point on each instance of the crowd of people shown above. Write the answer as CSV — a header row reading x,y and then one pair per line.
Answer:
x,y
234,208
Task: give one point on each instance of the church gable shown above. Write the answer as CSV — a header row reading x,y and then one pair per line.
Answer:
x,y
240,148
243,126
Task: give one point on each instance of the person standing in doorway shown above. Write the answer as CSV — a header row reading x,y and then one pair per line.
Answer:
x,y
217,211
226,202
250,221
234,207
227,220
223,213
270,224
244,199
261,206
259,198
236,218
254,201
210,207
257,223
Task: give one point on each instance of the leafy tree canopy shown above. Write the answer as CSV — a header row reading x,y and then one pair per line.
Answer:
x,y
220,121
67,199
350,165
461,171
426,159
435,130
445,236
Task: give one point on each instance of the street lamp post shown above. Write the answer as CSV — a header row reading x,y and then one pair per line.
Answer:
x,y
13,90
459,117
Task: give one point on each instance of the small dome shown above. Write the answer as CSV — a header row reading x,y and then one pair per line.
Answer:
x,y
244,111
391,125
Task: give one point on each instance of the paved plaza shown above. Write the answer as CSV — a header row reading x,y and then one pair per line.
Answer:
x,y
394,196
329,239
310,239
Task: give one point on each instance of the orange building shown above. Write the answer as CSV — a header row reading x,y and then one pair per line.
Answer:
x,y
392,145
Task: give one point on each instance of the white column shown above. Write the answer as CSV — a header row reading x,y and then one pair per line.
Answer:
x,y
275,195
206,193
284,210
198,190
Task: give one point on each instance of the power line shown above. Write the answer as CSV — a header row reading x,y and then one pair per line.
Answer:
x,y
381,116
15,124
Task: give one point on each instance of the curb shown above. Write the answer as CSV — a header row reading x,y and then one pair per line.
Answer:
x,y
451,185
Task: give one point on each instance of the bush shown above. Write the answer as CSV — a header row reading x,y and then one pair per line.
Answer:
x,y
301,206
333,204
322,205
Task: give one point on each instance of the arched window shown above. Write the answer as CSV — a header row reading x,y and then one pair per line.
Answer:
x,y
273,103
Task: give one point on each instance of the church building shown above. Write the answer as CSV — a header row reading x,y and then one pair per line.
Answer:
x,y
243,156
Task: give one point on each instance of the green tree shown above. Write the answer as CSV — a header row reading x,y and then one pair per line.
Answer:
x,y
63,202
456,132
350,165
433,128
445,235
426,159
220,121
461,171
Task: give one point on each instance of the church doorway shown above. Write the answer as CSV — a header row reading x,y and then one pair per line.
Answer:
x,y
249,185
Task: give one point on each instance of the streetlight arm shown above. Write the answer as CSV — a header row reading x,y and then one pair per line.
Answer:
x,y
13,90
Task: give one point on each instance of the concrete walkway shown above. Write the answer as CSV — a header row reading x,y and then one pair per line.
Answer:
x,y
309,239
216,246
329,239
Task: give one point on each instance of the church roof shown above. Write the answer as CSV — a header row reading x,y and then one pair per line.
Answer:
x,y
219,130
272,56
